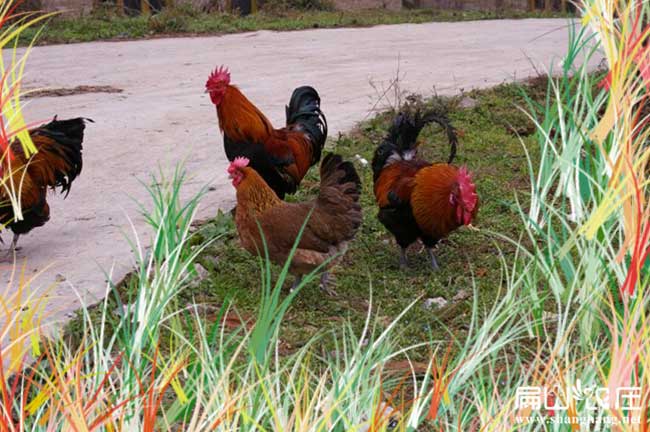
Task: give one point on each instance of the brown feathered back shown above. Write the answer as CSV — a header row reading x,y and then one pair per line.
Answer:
x,y
334,217
58,160
337,207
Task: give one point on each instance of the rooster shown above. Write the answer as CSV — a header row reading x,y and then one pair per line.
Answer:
x,y
281,156
56,164
333,218
418,199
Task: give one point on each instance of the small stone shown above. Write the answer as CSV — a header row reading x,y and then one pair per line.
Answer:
x,y
201,275
461,295
59,278
468,102
438,302
361,160
201,272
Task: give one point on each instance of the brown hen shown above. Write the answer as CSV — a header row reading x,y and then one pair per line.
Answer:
x,y
333,217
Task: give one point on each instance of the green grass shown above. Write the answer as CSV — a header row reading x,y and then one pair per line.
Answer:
x,y
488,146
104,24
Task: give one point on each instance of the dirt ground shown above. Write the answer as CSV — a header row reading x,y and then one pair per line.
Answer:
x,y
162,116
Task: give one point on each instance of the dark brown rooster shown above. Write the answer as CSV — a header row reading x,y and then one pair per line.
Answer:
x,y
418,199
56,164
281,156
334,217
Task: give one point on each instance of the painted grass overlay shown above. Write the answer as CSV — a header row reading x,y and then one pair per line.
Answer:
x,y
568,309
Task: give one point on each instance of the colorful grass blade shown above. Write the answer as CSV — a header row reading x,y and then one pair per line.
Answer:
x,y
12,124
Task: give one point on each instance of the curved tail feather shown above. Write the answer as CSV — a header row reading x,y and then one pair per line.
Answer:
x,y
401,140
335,172
58,160
452,136
304,113
340,189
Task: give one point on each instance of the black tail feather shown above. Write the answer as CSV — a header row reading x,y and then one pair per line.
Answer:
x,y
452,136
403,133
69,134
304,113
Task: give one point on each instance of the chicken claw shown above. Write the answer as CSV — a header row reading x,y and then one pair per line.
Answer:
x,y
432,257
403,261
13,248
324,285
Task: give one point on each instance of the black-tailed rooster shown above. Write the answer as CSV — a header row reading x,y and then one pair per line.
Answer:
x,y
418,199
281,156
56,164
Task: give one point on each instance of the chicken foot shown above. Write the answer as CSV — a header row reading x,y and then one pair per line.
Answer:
x,y
13,248
403,261
324,285
432,258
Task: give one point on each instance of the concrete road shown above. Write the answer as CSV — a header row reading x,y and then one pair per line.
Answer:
x,y
163,117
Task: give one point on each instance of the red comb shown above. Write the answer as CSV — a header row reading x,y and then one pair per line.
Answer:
x,y
239,162
220,75
467,189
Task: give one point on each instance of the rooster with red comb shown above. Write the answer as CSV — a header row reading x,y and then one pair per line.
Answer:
x,y
419,200
283,156
266,224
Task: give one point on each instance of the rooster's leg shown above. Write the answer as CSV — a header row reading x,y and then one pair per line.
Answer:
x,y
324,285
13,247
14,242
403,262
432,257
